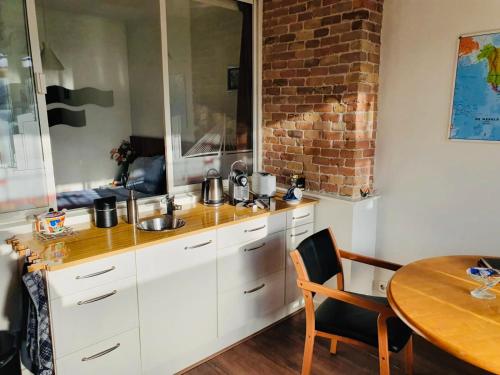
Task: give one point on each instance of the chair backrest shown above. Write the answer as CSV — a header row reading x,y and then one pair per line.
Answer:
x,y
321,258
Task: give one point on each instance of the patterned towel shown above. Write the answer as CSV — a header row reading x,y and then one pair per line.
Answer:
x,y
38,340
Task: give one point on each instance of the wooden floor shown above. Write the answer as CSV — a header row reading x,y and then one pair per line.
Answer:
x,y
279,351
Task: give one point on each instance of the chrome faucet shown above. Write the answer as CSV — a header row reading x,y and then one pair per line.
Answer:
x,y
171,206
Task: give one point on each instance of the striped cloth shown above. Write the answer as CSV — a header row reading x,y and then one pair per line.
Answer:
x,y
38,340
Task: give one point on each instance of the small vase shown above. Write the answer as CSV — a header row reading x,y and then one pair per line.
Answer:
x,y
122,171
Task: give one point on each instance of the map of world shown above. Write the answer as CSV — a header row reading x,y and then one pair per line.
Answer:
x,y
476,100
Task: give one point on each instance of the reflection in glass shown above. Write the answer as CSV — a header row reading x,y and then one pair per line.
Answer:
x,y
22,175
210,74
104,98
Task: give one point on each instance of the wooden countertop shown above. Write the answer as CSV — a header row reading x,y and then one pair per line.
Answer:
x,y
433,297
90,243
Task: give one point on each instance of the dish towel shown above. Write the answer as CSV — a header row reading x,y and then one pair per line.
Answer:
x,y
38,340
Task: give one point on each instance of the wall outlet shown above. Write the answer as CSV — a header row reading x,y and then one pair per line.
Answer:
x,y
380,287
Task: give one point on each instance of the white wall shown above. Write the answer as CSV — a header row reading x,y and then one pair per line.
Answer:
x,y
437,197
93,50
354,224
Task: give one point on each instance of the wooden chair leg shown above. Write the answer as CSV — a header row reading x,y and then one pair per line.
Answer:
x,y
383,346
409,357
308,353
333,346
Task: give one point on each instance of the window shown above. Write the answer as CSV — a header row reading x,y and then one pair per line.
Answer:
x,y
103,68
210,72
104,121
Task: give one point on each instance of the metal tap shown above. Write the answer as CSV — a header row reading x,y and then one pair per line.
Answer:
x,y
171,206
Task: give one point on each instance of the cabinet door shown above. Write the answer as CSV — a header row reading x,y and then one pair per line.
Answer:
x,y
177,290
294,237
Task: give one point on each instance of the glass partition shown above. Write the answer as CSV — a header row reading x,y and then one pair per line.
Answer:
x,y
22,174
105,129
211,86
103,66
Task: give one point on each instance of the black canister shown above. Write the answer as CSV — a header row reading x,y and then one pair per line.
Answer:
x,y
105,212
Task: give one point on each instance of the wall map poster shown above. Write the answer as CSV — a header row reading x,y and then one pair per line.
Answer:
x,y
476,100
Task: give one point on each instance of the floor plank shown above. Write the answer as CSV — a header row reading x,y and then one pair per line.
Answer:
x,y
278,351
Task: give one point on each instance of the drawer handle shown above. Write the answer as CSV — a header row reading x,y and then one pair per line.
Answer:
x,y
254,289
199,245
299,234
95,299
95,274
301,217
100,354
256,248
255,229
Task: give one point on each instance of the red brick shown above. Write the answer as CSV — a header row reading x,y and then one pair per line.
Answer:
x,y
312,151
323,107
295,133
320,82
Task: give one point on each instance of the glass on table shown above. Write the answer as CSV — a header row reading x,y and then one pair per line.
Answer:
x,y
489,277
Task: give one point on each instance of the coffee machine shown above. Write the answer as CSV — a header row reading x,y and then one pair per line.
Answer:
x,y
239,189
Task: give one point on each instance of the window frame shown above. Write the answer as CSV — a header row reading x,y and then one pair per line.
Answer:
x,y
39,95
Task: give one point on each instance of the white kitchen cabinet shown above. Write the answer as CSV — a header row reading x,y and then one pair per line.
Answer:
x,y
300,216
90,274
159,309
240,264
250,230
118,355
294,237
244,304
90,303
177,294
84,318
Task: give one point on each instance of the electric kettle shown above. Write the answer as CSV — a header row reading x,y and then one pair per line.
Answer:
x,y
212,193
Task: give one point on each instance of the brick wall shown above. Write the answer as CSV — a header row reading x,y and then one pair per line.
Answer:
x,y
320,83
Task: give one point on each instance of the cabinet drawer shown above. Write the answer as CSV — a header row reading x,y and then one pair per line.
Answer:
x,y
294,237
117,355
240,306
180,255
91,274
237,265
251,230
87,317
300,216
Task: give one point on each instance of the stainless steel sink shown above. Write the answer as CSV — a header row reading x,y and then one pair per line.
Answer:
x,y
160,224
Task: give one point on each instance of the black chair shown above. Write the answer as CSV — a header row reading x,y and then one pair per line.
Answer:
x,y
346,317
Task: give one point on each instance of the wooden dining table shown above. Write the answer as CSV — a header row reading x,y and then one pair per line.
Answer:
x,y
432,296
